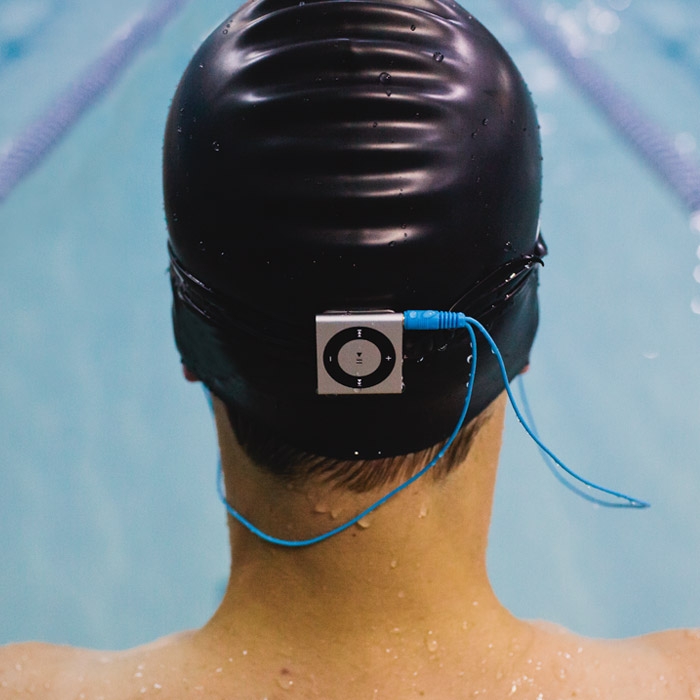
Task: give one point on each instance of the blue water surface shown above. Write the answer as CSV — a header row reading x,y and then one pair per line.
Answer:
x,y
111,530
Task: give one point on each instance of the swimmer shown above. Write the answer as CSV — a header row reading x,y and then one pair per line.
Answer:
x,y
356,157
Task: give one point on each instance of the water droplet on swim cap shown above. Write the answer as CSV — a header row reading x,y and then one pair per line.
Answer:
x,y
289,105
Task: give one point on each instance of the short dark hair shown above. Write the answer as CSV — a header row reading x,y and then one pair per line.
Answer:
x,y
291,464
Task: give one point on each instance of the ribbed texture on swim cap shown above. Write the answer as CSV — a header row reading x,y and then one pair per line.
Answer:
x,y
335,146
346,154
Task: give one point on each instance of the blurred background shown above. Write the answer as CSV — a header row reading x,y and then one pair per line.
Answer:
x,y
111,531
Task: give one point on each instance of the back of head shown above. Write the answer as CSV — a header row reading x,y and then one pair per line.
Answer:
x,y
350,155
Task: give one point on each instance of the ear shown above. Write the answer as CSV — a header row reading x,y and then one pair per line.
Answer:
x,y
190,376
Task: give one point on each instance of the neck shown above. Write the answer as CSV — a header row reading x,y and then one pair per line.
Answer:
x,y
417,561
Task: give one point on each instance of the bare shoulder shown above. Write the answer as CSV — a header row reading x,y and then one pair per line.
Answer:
x,y
54,672
670,660
658,665
681,648
35,667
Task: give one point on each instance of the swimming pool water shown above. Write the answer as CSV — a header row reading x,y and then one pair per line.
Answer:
x,y
111,530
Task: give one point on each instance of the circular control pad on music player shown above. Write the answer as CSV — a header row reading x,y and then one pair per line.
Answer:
x,y
359,357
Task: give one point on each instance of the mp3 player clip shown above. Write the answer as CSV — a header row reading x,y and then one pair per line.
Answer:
x,y
359,352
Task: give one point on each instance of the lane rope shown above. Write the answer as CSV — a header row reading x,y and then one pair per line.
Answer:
x,y
681,173
32,145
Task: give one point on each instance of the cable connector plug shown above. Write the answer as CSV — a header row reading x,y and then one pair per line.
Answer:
x,y
434,320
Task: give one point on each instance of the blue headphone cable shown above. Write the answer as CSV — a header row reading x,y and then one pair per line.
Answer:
x,y
449,320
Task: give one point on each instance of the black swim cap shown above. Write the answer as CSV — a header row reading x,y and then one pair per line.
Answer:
x,y
351,155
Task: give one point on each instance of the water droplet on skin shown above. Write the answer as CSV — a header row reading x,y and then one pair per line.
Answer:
x,y
474,134
508,246
439,57
394,564
431,643
216,146
392,244
363,523
374,125
384,78
485,122
179,129
225,31
423,511
413,27
284,681
201,65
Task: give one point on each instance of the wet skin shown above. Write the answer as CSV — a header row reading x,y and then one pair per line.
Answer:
x,y
400,607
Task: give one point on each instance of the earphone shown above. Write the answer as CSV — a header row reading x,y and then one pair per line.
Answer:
x,y
377,337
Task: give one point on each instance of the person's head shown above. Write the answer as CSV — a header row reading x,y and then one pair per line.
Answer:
x,y
347,155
